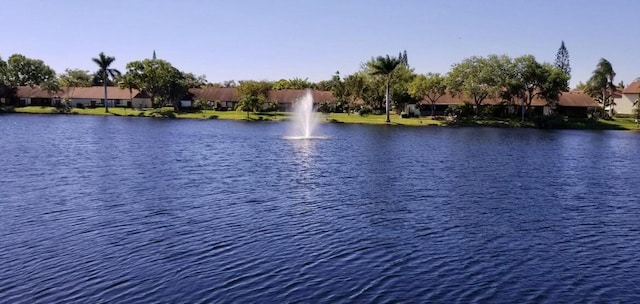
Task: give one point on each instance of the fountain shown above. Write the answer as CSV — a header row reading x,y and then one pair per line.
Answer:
x,y
304,118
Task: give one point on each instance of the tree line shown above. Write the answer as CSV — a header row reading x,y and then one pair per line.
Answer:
x,y
381,84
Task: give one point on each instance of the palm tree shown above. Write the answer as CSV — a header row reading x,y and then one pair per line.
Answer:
x,y
127,82
385,66
103,61
602,81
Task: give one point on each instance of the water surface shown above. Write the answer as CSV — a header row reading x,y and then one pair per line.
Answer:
x,y
127,210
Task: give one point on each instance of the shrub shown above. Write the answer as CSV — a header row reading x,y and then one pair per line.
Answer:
x,y
364,111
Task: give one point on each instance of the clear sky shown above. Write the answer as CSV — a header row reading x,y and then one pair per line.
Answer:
x,y
275,39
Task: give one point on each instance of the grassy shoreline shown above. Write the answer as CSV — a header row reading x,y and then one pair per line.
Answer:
x,y
625,123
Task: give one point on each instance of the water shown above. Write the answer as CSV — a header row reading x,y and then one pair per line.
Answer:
x,y
304,118
130,210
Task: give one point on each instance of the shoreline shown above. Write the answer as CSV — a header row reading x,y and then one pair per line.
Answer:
x,y
622,123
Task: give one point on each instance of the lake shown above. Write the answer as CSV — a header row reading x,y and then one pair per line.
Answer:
x,y
129,210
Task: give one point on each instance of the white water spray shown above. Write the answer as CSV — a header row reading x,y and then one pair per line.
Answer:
x,y
304,117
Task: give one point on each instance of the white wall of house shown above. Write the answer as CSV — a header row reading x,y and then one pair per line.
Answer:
x,y
74,102
185,103
624,104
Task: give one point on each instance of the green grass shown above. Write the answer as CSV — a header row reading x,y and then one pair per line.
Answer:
x,y
618,123
380,119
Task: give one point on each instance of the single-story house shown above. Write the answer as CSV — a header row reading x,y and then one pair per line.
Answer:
x,y
626,102
575,104
83,97
227,97
286,99
116,97
572,104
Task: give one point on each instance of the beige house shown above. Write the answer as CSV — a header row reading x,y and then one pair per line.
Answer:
x,y
627,102
84,97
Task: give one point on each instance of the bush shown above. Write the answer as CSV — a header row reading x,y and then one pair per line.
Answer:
x,y
552,122
364,111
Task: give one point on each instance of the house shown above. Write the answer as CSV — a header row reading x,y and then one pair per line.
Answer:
x,y
36,96
575,104
627,101
83,97
287,98
116,97
227,97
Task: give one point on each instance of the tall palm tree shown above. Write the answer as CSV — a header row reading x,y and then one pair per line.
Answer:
x,y
601,83
385,66
104,62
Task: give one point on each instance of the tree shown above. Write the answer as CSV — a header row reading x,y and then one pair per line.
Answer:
x,y
104,62
75,78
477,78
355,86
339,92
253,94
562,60
385,66
162,81
292,84
193,81
581,86
431,87
600,86
22,71
126,81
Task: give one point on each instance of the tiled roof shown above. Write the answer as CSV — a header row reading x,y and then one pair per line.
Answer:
x,y
633,88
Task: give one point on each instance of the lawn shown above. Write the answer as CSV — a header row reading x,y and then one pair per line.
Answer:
x,y
380,119
618,123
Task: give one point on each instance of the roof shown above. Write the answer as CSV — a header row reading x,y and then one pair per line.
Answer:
x,y
97,93
633,88
215,94
34,92
567,99
576,99
78,93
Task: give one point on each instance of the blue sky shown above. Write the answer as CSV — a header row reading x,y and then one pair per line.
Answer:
x,y
270,40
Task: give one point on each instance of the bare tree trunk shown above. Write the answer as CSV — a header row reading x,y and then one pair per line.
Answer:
x,y
104,84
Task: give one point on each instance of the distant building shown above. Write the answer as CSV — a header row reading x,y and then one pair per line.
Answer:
x,y
627,101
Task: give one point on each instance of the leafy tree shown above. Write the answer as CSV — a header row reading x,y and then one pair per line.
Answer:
x,y
292,84
475,77
385,66
355,86
126,81
193,81
160,79
75,78
4,87
324,85
431,87
229,84
403,57
22,71
253,94
562,60
339,92
581,86
600,86
105,72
